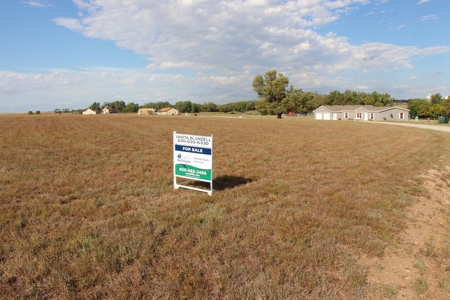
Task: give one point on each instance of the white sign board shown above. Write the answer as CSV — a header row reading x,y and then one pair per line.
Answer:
x,y
192,159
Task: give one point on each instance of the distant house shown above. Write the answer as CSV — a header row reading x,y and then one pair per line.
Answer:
x,y
168,111
361,112
89,111
146,111
108,110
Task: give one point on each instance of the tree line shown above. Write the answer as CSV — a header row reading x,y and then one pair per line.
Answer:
x,y
182,106
277,97
433,107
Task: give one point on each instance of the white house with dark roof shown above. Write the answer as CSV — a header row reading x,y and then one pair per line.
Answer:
x,y
361,112
108,110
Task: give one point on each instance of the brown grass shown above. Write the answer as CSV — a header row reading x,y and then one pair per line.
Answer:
x,y
88,209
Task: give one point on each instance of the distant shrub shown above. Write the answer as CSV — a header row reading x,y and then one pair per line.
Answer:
x,y
30,112
38,112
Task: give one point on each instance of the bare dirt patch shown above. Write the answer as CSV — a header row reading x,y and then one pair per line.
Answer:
x,y
418,266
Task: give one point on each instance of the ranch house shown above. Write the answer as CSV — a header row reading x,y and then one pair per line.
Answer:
x,y
168,111
361,112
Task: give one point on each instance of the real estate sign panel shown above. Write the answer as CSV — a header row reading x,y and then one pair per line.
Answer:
x,y
193,156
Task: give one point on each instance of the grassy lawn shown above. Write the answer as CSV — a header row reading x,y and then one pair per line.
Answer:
x,y
88,209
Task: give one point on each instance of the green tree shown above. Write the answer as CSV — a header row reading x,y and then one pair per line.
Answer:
x,y
131,108
436,99
294,101
423,110
183,106
446,105
377,99
314,101
209,107
225,108
95,106
195,108
251,105
271,89
437,110
118,105
418,105
352,97
336,98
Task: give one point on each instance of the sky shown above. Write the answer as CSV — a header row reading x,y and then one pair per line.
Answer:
x,y
69,54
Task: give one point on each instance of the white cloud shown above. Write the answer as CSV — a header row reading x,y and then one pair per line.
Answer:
x,y
423,1
34,3
233,37
429,17
70,23
414,78
222,44
38,3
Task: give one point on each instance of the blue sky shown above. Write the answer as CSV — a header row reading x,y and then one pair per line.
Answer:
x,y
68,54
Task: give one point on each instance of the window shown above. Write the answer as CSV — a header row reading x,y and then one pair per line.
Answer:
x,y
372,116
358,115
401,116
345,115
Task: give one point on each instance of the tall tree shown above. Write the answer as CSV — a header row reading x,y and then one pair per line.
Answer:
x,y
436,99
271,89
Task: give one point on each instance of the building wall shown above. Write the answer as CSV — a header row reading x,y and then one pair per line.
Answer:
x,y
394,114
146,111
89,112
172,111
322,114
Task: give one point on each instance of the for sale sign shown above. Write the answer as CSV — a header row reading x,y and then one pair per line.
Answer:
x,y
192,158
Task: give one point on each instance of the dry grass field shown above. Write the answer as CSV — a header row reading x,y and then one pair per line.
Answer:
x,y
88,209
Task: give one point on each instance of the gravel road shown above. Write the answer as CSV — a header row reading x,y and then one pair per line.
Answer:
x,y
424,126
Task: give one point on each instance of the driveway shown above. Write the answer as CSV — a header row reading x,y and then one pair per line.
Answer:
x,y
424,126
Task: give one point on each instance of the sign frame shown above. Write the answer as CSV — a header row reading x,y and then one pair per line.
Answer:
x,y
193,159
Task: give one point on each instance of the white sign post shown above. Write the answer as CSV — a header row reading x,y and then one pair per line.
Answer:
x,y
192,159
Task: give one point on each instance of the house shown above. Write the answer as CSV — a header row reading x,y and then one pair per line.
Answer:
x,y
108,110
168,111
89,111
361,112
146,111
